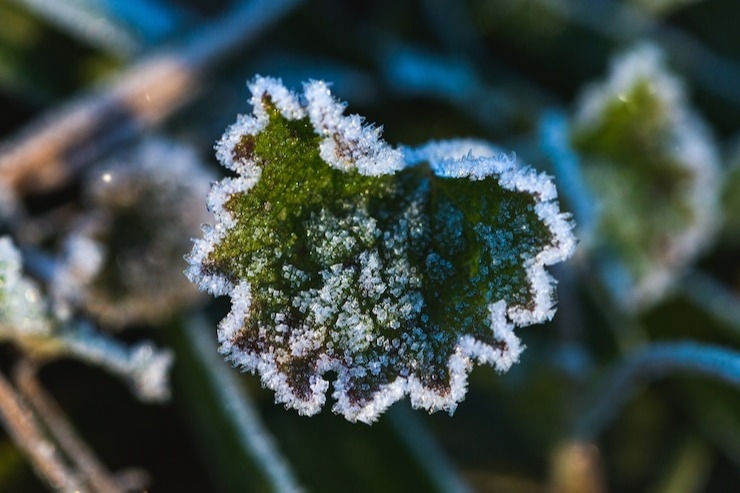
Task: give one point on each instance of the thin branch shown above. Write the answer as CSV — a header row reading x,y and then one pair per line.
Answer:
x,y
27,435
655,361
92,470
88,22
253,436
69,137
144,366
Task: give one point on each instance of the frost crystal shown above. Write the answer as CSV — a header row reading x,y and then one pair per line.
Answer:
x,y
644,150
393,269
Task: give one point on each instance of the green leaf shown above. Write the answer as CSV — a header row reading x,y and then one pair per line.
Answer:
x,y
654,168
394,269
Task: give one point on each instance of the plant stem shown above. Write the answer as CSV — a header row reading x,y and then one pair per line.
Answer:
x,y
554,141
253,436
652,362
27,435
425,449
94,472
57,144
144,366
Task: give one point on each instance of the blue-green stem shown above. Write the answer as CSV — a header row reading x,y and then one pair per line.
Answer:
x,y
657,360
713,297
554,141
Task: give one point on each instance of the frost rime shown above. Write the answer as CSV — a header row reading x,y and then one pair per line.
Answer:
x,y
397,269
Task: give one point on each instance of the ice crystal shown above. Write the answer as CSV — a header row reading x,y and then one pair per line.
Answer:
x,y
654,169
395,270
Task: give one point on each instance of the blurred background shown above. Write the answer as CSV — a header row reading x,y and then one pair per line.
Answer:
x,y
108,114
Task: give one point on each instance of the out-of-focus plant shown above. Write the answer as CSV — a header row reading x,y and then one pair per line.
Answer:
x,y
120,263
644,149
387,272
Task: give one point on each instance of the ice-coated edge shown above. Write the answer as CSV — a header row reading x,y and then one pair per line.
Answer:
x,y
438,151
467,350
458,159
349,143
694,148
474,159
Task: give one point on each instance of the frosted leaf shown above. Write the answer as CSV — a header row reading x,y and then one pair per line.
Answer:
x,y
395,270
22,306
644,150
123,262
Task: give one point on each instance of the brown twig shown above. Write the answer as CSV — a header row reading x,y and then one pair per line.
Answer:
x,y
53,147
25,432
91,469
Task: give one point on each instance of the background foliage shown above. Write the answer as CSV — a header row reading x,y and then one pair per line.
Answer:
x,y
584,410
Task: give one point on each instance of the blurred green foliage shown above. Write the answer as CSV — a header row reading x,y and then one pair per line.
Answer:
x,y
677,434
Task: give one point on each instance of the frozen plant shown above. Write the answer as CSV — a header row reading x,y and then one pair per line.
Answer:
x,y
22,308
25,320
395,269
122,264
644,149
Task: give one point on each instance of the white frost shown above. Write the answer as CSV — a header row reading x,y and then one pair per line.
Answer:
x,y
23,310
348,142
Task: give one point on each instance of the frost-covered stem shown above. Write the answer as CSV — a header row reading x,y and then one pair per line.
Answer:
x,y
655,361
95,22
553,136
253,436
427,452
713,297
58,143
144,366
48,411
25,432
